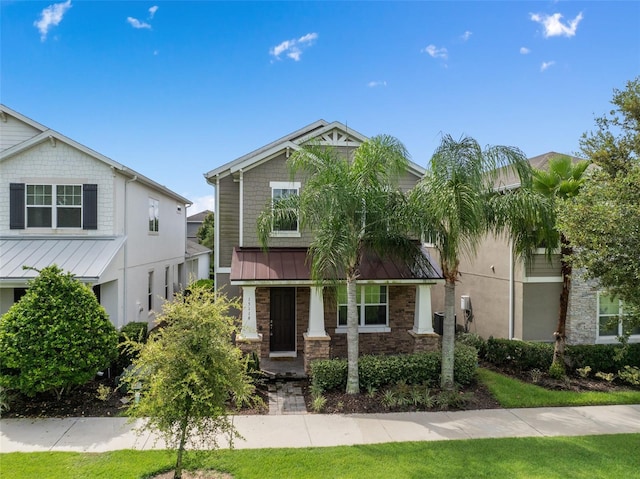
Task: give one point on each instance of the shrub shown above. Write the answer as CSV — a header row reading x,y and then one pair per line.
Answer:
x,y
556,370
475,340
520,355
130,334
604,357
377,371
55,337
630,374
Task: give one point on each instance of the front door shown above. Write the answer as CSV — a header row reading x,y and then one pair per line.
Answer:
x,y
283,320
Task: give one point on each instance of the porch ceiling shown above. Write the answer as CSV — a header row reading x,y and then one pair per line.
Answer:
x,y
290,264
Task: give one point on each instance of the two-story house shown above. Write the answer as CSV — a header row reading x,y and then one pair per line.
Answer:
x,y
283,312
63,203
512,298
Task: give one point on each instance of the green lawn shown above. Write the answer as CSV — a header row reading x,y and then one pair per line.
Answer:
x,y
562,457
512,393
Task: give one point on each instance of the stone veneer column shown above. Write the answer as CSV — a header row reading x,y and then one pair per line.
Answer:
x,y
249,340
316,340
425,338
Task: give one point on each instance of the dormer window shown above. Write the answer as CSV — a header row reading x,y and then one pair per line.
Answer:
x,y
279,191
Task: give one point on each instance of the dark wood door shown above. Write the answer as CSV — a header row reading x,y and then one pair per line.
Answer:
x,y
283,319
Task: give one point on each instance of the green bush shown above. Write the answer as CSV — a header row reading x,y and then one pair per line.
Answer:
x,y
136,332
608,358
57,336
378,371
475,340
519,355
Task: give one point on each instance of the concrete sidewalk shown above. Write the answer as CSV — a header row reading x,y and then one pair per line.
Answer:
x,y
316,430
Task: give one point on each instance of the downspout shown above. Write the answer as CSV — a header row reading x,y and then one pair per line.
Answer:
x,y
126,248
511,292
216,227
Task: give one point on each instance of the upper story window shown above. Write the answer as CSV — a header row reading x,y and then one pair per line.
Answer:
x,y
154,215
610,314
372,302
53,206
288,226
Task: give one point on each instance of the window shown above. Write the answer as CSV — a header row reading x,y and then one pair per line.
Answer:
x,y
372,305
610,313
154,213
55,206
279,191
150,291
166,283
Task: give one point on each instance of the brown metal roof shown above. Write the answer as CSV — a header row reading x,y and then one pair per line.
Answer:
x,y
290,264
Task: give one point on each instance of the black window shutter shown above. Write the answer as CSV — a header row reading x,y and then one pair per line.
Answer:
x,y
90,207
16,206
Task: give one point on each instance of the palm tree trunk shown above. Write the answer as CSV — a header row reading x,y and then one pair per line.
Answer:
x,y
448,335
565,267
353,380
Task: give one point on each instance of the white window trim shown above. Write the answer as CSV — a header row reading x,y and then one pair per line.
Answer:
x,y
614,338
285,185
155,203
365,328
53,206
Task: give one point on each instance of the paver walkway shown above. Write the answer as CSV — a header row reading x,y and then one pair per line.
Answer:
x,y
285,397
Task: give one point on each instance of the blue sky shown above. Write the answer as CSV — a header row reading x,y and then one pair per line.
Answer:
x,y
175,89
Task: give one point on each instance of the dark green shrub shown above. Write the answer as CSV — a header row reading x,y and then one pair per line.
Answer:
x,y
378,371
136,332
475,340
606,358
557,370
519,355
57,336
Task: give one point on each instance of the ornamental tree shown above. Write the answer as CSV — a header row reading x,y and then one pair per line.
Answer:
x,y
56,337
189,373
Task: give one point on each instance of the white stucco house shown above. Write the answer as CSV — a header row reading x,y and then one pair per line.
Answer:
x,y
113,228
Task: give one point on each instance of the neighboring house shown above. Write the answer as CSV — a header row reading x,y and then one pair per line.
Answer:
x,y
510,299
283,312
63,203
198,256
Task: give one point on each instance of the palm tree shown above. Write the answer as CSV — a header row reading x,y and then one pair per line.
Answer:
x,y
456,204
350,206
561,180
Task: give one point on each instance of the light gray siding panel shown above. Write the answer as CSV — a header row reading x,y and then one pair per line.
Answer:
x,y
13,131
539,266
229,219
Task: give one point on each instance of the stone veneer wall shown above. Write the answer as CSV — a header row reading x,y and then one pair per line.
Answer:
x,y
582,318
262,317
401,314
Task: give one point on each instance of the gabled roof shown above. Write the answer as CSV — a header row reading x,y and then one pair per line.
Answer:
x,y
47,134
508,178
325,133
198,217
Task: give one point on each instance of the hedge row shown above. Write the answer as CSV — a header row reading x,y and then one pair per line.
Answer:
x,y
379,371
528,355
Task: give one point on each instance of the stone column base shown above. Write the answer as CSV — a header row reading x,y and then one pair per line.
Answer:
x,y
425,342
249,345
315,347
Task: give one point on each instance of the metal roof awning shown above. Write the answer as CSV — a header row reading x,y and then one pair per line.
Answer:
x,y
290,265
85,258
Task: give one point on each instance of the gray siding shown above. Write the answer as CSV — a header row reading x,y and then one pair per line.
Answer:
x,y
541,309
229,219
540,266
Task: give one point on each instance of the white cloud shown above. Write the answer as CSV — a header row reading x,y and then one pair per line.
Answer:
x,y
202,203
374,84
436,52
466,35
152,11
546,65
51,16
524,51
293,48
553,26
135,23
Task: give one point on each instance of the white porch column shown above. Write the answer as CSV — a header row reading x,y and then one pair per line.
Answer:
x,y
422,322
249,321
316,313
